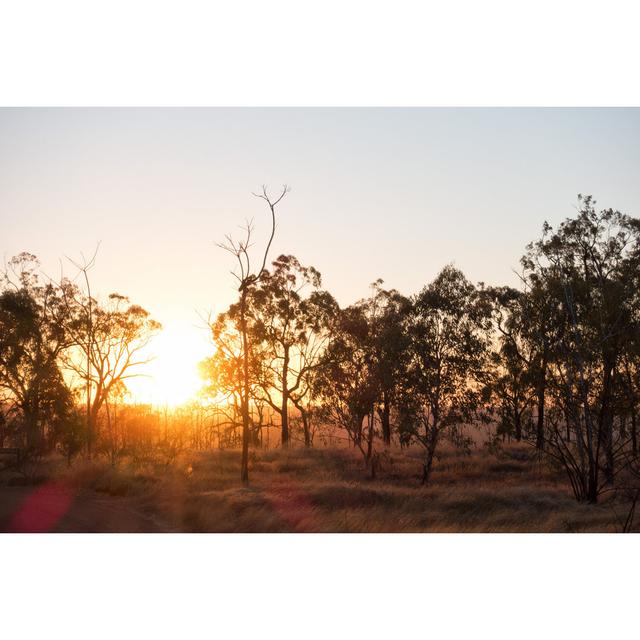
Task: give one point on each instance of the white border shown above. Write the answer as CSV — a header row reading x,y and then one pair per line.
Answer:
x,y
310,53
311,586
336,52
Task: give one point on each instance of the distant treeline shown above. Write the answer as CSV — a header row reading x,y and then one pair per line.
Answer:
x,y
555,361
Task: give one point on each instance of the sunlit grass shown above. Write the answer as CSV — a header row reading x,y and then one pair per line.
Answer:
x,y
328,490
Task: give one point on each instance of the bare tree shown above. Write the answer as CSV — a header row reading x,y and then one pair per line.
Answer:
x,y
108,342
247,279
73,300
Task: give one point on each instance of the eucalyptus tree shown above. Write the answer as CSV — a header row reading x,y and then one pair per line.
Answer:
x,y
291,317
347,384
447,355
36,396
108,346
510,387
511,382
364,366
322,312
223,371
629,369
387,310
590,270
533,332
629,380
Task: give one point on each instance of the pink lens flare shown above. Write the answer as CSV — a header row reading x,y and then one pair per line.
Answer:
x,y
42,509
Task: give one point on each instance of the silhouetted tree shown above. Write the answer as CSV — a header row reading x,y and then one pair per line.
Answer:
x,y
31,341
322,312
511,386
224,370
108,345
292,330
387,311
589,270
448,347
247,281
347,385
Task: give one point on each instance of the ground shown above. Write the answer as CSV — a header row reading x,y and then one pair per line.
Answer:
x,y
299,490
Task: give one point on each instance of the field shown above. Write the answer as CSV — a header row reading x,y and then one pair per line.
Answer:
x,y
300,490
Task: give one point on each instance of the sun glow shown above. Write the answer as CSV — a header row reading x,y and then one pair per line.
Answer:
x,y
171,377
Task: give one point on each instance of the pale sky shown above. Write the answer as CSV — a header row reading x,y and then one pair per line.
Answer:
x,y
389,193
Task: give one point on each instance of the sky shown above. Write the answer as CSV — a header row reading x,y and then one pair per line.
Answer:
x,y
375,193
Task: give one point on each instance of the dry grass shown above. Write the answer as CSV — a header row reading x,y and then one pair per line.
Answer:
x,y
328,490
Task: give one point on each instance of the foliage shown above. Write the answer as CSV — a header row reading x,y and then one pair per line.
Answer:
x,y
31,341
447,328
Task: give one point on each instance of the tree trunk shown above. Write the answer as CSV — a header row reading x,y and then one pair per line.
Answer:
x,y
32,440
592,488
385,418
370,435
357,432
541,399
89,433
428,464
634,434
284,413
244,464
432,440
307,427
93,425
518,425
606,423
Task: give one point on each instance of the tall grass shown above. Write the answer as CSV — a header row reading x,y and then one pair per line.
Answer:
x,y
329,490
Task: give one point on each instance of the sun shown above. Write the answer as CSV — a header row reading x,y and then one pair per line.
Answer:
x,y
171,377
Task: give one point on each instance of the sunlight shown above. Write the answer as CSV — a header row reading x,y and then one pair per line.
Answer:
x,y
171,378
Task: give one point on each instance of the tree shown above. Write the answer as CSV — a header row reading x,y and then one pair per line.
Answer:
x,y
511,383
292,330
108,346
629,381
448,331
538,327
589,270
387,310
363,367
247,280
347,384
31,341
224,371
114,442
